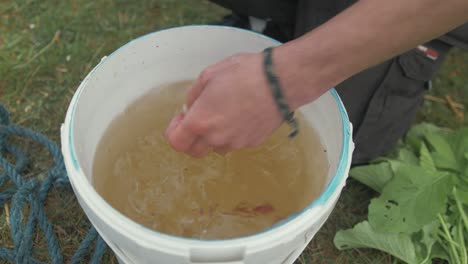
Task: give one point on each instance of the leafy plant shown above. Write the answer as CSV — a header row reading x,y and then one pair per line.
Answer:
x,y
421,213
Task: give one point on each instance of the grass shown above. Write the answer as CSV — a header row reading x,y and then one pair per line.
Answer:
x,y
452,80
46,49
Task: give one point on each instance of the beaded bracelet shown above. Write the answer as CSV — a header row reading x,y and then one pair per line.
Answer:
x,y
277,92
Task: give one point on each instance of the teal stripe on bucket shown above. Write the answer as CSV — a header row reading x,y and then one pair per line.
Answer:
x,y
343,162
340,170
74,159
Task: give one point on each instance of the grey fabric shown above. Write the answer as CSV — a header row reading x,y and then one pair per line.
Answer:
x,y
312,13
457,37
281,14
382,101
280,11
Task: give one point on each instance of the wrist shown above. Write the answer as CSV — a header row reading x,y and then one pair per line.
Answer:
x,y
304,74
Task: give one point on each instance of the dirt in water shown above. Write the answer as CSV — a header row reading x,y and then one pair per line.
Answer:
x,y
136,171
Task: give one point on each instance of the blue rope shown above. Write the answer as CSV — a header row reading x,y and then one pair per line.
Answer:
x,y
31,193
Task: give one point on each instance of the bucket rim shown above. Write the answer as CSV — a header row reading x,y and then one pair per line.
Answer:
x,y
70,156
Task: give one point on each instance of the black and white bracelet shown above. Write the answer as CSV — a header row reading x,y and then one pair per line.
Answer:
x,y
277,92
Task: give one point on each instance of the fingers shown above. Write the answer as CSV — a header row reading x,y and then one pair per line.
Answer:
x,y
173,124
199,148
187,140
183,140
193,139
222,150
184,137
213,119
180,138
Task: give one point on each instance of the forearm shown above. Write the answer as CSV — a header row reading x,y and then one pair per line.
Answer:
x,y
366,34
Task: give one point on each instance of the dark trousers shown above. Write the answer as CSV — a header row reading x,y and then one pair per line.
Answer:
x,y
381,101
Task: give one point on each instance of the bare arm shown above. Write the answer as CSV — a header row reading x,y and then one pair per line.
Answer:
x,y
367,33
231,107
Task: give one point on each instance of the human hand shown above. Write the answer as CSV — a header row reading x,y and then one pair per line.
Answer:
x,y
229,107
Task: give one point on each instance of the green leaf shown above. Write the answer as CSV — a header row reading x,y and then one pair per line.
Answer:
x,y
443,162
439,252
462,196
414,137
464,172
425,159
415,190
442,154
364,236
440,144
458,140
375,175
412,199
407,156
395,164
382,212
428,239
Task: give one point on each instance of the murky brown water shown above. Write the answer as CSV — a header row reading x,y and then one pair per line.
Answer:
x,y
137,172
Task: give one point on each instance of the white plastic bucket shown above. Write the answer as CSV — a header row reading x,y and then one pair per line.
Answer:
x,y
179,54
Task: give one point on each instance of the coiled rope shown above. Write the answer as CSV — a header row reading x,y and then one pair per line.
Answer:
x,y
31,193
